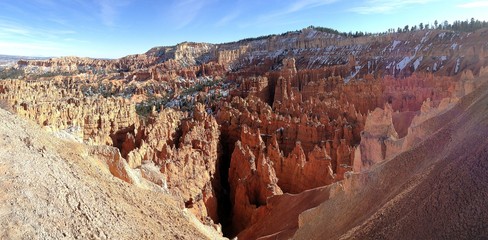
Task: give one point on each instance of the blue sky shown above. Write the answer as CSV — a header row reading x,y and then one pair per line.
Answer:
x,y
115,28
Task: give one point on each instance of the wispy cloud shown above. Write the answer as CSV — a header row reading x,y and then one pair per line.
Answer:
x,y
8,7
183,12
385,6
20,39
110,9
12,29
44,46
298,6
474,4
49,3
227,18
305,4
294,7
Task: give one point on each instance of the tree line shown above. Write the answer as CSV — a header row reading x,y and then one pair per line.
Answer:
x,y
458,26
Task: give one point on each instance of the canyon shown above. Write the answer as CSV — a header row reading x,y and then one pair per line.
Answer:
x,y
305,135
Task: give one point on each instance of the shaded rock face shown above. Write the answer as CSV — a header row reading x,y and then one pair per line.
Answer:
x,y
252,178
289,113
186,150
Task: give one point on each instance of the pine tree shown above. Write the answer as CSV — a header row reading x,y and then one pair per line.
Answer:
x,y
446,25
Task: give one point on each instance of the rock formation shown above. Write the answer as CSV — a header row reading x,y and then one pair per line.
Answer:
x,y
247,123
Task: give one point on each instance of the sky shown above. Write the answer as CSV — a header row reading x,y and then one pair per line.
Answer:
x,y
116,28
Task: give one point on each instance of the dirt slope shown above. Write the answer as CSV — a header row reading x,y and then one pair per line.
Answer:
x,y
51,189
436,190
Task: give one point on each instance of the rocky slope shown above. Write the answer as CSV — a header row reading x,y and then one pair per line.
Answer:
x,y
54,189
239,130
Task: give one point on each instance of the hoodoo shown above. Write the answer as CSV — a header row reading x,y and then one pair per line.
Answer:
x,y
310,134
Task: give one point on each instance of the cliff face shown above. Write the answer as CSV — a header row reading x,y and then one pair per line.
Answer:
x,y
185,150
93,119
226,127
398,55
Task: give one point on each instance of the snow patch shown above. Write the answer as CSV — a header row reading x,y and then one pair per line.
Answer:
x,y
417,63
394,45
402,64
424,39
311,34
225,93
417,48
389,65
353,74
458,62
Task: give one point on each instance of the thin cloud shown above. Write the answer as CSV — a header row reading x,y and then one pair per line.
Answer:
x,y
110,10
305,4
289,9
8,7
14,30
227,18
75,40
33,42
26,46
298,6
183,12
11,29
475,4
48,3
385,6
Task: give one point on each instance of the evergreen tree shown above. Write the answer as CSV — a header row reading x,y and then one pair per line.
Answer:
x,y
445,25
